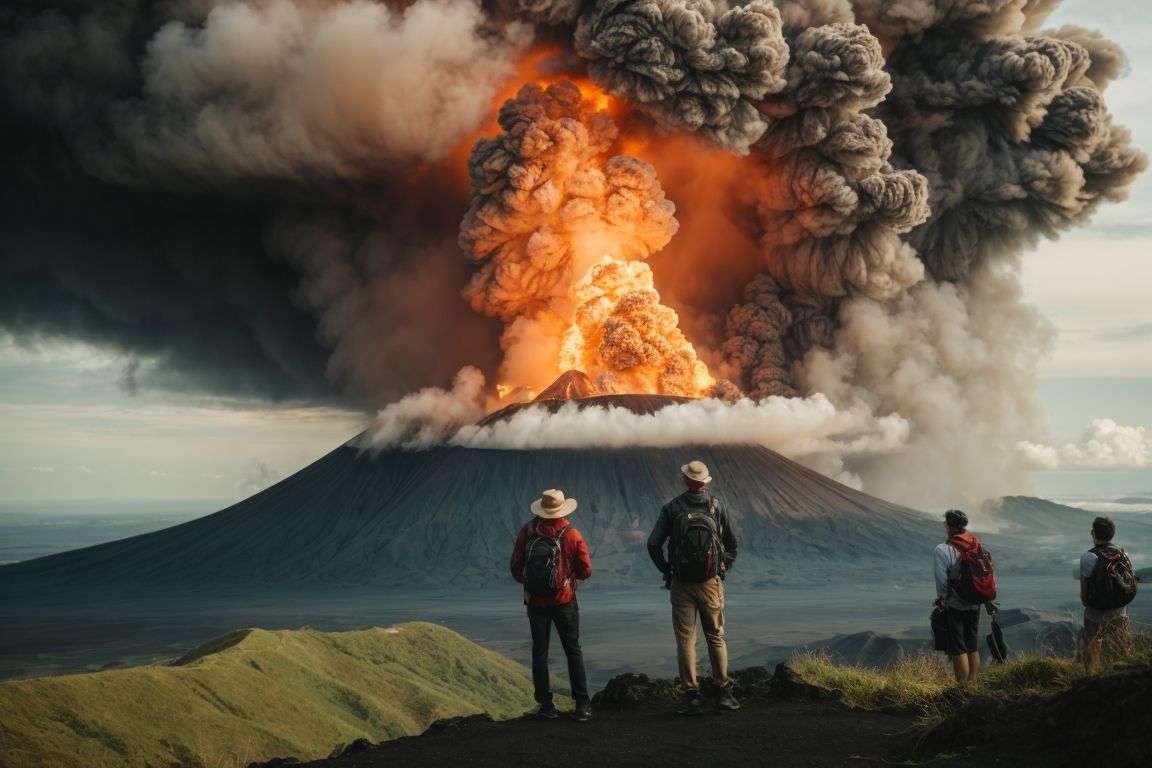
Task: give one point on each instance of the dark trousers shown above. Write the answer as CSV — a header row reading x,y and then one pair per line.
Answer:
x,y
567,620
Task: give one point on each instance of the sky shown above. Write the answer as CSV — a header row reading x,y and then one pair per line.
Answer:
x,y
70,430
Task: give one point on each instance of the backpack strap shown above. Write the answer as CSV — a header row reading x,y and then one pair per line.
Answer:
x,y
714,510
557,537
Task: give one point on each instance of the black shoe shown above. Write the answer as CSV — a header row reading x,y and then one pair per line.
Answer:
x,y
691,704
583,712
727,700
547,712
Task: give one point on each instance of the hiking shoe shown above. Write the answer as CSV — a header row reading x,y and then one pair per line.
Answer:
x,y
547,712
691,704
727,700
583,712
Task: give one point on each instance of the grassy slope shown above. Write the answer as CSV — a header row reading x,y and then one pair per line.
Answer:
x,y
255,694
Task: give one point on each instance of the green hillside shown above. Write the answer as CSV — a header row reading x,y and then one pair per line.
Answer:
x,y
255,694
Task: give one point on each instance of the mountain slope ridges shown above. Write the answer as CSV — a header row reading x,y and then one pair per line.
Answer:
x,y
448,516
254,693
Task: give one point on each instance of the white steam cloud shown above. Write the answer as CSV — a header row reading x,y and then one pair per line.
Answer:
x,y
1105,445
810,429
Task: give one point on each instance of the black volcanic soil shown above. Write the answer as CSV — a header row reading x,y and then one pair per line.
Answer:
x,y
778,733
787,723
784,723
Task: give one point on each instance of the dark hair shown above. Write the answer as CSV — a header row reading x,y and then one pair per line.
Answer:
x,y
1103,528
956,519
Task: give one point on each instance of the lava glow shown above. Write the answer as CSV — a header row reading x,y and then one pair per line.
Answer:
x,y
560,227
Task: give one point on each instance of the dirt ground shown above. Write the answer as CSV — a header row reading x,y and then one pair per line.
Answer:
x,y
778,733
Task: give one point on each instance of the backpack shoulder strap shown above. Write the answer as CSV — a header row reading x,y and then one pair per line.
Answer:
x,y
536,530
714,511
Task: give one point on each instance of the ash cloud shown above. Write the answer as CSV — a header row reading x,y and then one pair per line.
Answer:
x,y
695,66
169,164
263,198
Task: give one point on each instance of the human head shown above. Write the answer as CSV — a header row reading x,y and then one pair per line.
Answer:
x,y
696,475
1103,529
956,520
552,505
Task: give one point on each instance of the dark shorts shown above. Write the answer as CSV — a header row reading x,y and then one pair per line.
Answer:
x,y
961,630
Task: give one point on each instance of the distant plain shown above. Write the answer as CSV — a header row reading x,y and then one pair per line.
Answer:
x,y
624,628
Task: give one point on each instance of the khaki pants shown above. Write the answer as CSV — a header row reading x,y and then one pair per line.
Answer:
x,y
706,600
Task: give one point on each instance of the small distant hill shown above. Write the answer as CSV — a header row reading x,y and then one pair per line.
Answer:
x,y
253,694
1028,512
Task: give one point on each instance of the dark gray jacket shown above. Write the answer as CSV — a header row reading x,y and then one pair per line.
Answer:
x,y
663,529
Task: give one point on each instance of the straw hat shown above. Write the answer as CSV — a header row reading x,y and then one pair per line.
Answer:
x,y
696,470
552,505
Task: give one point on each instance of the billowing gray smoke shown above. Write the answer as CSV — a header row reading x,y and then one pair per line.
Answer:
x,y
253,197
263,197
695,66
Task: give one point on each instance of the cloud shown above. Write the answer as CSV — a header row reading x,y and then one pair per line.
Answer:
x,y
1141,332
1105,445
810,429
259,476
43,470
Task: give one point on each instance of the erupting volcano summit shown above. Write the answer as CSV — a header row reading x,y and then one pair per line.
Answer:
x,y
354,201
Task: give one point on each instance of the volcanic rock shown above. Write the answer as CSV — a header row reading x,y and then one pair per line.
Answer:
x,y
572,385
1097,721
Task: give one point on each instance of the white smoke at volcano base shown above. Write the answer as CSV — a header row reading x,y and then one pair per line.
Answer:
x,y
810,429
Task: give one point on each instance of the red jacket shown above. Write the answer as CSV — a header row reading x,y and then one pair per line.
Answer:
x,y
572,546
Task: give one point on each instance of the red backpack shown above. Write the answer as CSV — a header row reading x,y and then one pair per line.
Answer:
x,y
976,582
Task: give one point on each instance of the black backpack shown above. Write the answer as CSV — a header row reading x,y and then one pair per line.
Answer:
x,y
545,574
696,542
1112,583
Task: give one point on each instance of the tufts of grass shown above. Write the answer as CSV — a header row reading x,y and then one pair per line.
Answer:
x,y
923,682
911,683
1139,655
1033,674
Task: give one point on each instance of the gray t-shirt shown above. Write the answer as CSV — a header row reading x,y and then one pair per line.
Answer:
x,y
946,566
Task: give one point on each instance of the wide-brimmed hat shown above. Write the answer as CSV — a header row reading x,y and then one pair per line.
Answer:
x,y
696,471
552,505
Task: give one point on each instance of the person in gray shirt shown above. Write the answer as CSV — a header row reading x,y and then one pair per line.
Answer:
x,y
961,641
1103,531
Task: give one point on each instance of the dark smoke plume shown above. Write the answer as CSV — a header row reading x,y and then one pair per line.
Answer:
x,y
695,66
263,197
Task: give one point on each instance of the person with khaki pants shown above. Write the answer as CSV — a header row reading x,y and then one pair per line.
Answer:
x,y
701,550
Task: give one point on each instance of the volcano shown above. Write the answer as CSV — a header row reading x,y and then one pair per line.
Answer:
x,y
447,517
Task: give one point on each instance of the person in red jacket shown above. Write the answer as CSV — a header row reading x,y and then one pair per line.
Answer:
x,y
549,557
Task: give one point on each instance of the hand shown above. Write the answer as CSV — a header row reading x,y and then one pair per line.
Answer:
x,y
939,603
